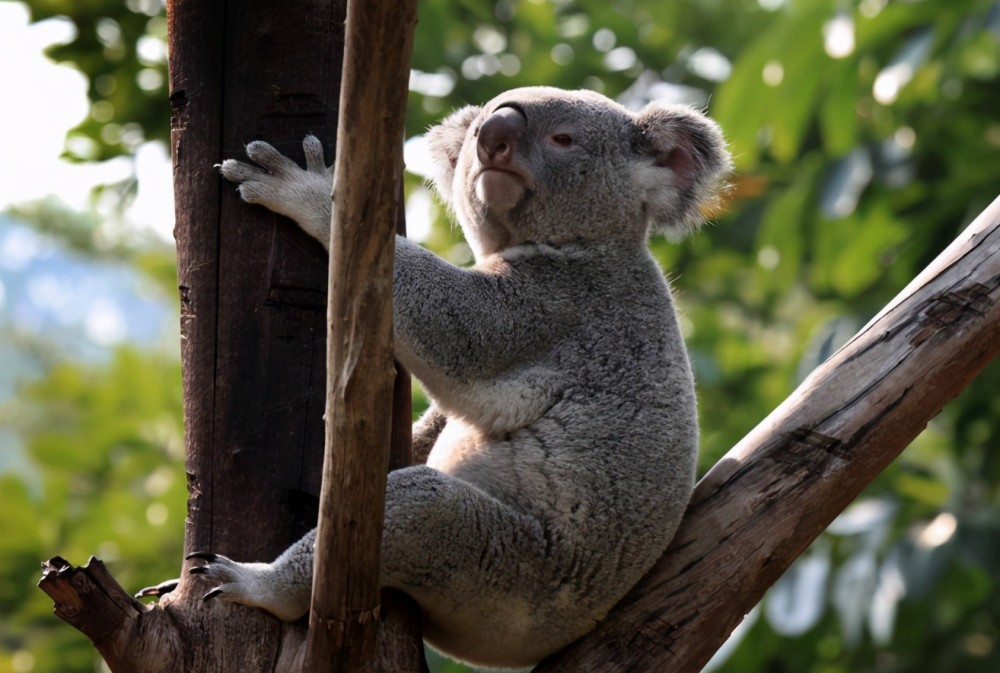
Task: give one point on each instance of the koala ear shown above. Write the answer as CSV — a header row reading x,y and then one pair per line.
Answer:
x,y
684,162
445,141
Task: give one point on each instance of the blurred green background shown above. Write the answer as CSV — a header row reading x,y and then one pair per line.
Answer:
x,y
866,135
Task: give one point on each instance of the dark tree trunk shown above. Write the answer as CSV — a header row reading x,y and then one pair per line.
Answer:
x,y
253,331
253,325
253,288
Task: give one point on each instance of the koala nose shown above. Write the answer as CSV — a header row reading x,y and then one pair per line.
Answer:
x,y
499,135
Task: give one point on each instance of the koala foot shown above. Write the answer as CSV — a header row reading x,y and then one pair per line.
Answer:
x,y
259,585
281,185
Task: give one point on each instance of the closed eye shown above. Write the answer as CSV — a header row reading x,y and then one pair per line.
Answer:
x,y
562,139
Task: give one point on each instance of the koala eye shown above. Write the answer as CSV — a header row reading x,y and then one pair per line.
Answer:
x,y
562,139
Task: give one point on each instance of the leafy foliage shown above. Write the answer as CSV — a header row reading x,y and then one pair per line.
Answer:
x,y
121,48
105,477
865,135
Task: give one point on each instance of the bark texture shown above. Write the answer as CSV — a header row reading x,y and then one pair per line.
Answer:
x,y
253,292
253,334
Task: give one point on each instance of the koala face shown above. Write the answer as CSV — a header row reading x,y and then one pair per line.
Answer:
x,y
543,165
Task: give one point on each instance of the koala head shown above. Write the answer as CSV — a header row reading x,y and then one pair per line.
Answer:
x,y
543,165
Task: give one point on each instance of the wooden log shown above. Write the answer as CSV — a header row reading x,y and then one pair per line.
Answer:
x,y
781,486
343,619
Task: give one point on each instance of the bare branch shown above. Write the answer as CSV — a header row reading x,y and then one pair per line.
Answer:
x,y
343,621
130,637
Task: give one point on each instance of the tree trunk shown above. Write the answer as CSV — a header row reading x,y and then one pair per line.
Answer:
x,y
253,303
253,328
783,484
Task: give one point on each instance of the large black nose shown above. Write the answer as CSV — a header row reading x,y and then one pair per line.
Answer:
x,y
499,135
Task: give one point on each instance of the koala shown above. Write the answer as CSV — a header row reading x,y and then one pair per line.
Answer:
x,y
562,434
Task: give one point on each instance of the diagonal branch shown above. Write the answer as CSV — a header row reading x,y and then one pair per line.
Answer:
x,y
778,489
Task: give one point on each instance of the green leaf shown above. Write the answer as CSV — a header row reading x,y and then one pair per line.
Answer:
x,y
837,110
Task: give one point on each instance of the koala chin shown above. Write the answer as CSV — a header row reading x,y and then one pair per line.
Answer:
x,y
562,434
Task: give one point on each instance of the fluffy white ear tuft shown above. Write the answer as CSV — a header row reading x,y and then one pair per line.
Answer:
x,y
445,141
684,163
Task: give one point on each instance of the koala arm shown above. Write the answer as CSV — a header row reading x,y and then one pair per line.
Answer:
x,y
462,325
459,323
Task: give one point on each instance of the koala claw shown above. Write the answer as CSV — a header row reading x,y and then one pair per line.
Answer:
x,y
212,594
160,590
251,584
238,171
217,568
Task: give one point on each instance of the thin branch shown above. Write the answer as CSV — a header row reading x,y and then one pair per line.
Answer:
x,y
345,603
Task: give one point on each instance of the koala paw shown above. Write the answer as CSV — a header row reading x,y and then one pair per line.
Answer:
x,y
234,580
252,584
282,186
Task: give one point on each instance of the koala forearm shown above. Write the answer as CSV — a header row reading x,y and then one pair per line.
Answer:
x,y
462,324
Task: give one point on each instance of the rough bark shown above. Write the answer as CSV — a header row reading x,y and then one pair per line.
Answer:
x,y
253,304
773,493
253,290
129,636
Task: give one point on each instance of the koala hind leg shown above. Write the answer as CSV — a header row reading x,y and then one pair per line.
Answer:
x,y
484,572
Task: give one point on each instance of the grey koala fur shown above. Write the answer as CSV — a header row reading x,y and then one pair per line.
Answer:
x,y
562,433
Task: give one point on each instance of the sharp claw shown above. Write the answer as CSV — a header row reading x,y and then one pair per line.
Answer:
x,y
160,590
203,555
211,594
199,570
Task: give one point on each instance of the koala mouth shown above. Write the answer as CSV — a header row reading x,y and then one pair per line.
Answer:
x,y
499,189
